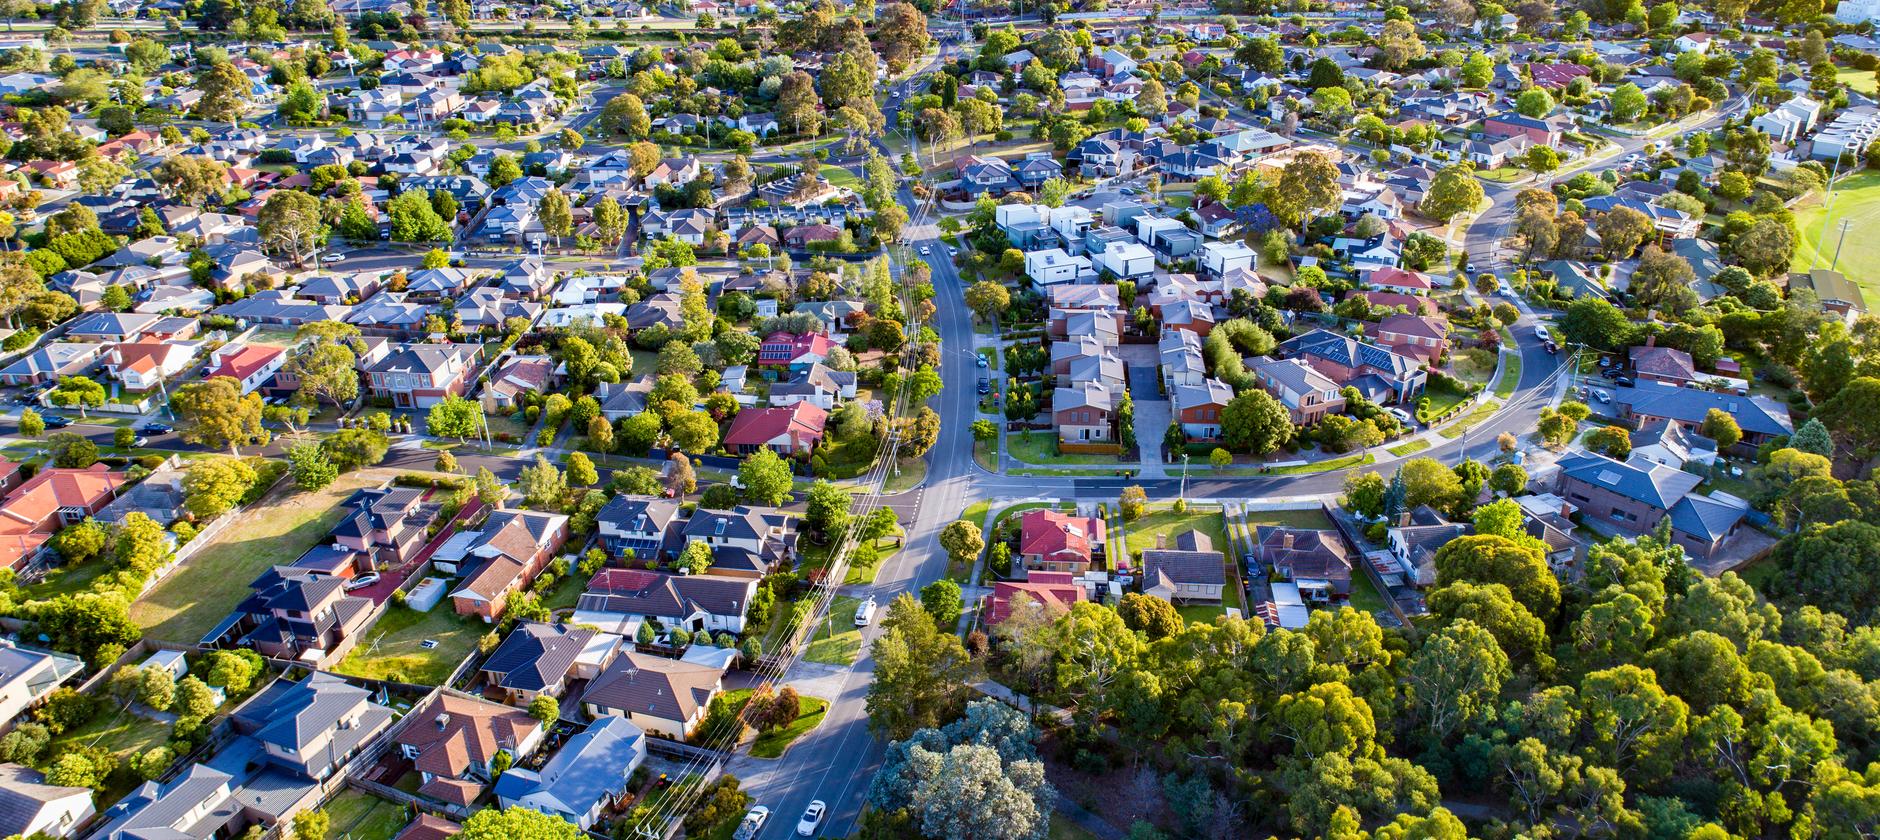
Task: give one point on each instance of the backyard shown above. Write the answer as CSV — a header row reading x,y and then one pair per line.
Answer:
x,y
394,648
123,733
358,815
1856,201
189,603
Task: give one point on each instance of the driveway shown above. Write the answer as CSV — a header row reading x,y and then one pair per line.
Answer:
x,y
1152,416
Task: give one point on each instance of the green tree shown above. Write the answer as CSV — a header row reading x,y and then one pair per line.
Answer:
x,y
1255,422
80,391
920,672
766,477
71,451
1455,676
1453,191
312,825
1534,102
828,508
215,413
542,485
455,416
31,424
490,489
942,600
545,709
962,541
581,472
517,823
1490,559
211,487
1150,616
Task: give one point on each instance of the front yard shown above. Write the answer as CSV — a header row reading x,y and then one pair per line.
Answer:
x,y
837,641
189,603
772,744
394,648
1041,447
1164,523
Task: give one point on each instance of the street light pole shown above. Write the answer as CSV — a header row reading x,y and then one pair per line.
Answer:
x,y
1184,491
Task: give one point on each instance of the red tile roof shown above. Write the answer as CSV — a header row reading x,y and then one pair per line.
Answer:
x,y
1398,278
1058,536
802,422
245,362
1054,591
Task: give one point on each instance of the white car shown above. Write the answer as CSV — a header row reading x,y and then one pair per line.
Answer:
x,y
754,820
812,819
925,250
331,258
865,613
362,581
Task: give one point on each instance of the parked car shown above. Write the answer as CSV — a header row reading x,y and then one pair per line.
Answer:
x,y
754,820
330,258
981,360
154,429
1402,416
1602,396
865,614
1623,381
812,819
362,581
54,421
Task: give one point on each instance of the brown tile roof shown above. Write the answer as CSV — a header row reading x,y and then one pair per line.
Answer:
x,y
428,827
454,733
670,689
1053,535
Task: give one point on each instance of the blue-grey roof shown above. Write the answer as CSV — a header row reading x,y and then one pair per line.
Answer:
x,y
536,656
1704,517
1347,352
1654,484
1754,414
591,766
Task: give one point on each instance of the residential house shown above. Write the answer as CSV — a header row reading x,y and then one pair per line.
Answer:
x,y
745,542
387,525
816,384
111,327
1316,561
620,600
311,727
1634,496
140,366
588,776
1667,365
514,547
250,365
518,376
795,430
52,499
51,362
1673,444
1307,394
1052,541
1832,288
1761,418
1790,121
1053,592
452,740
31,808
28,676
1399,280
1420,337
664,697
1219,259
1539,131
295,614
422,375
1379,374
1052,266
633,528
1416,537
1198,408
1188,573
539,660
794,352
1085,413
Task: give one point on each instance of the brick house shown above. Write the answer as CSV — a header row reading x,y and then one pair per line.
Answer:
x,y
795,430
1051,541
512,549
1054,592
1379,374
1420,337
52,499
1084,413
1307,394
1636,495
1198,408
422,375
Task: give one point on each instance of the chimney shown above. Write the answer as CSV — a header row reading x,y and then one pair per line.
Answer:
x,y
443,721
1403,518
1286,540
1651,340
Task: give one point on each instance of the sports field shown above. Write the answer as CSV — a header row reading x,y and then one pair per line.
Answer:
x,y
1856,201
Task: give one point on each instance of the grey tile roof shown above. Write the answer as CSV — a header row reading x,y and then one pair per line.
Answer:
x,y
1755,414
1640,480
1704,517
594,765
536,656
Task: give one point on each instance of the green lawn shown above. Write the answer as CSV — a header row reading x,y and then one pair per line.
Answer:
x,y
909,473
1313,519
392,649
1502,175
1857,200
1354,460
1364,596
837,641
644,362
782,619
1162,521
1063,829
1200,613
1510,376
977,511
1482,411
1442,400
67,580
1040,447
773,744
1409,448
190,602
123,733
358,815
839,177
1860,80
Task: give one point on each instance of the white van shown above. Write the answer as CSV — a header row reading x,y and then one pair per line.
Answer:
x,y
865,614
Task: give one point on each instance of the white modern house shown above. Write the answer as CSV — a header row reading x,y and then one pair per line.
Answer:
x,y
1219,258
1051,267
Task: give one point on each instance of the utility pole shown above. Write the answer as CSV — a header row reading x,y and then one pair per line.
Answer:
x,y
1842,240
1827,211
